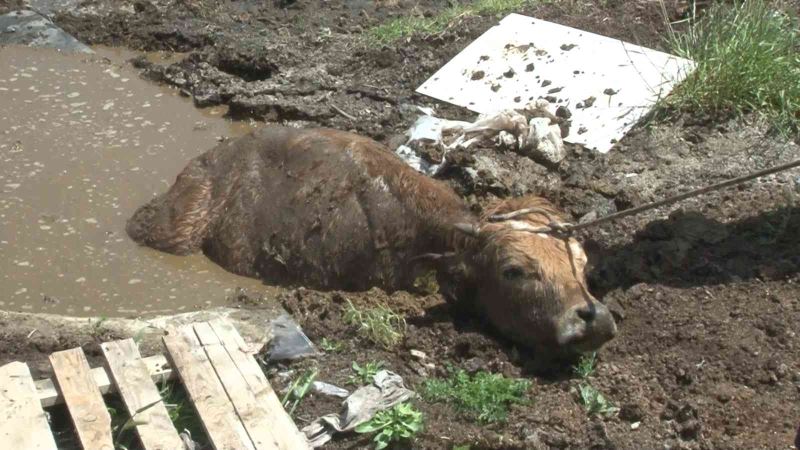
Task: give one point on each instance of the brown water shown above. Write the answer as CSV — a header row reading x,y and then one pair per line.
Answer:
x,y
83,143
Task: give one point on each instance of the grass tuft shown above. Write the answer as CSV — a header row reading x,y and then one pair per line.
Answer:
x,y
403,27
748,60
380,325
485,396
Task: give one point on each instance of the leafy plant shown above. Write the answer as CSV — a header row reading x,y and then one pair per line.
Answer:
x,y
364,375
298,390
330,346
585,367
747,61
380,324
485,396
400,423
594,402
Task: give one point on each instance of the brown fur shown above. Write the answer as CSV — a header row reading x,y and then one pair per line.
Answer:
x,y
333,210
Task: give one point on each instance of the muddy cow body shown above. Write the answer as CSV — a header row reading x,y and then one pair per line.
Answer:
x,y
333,210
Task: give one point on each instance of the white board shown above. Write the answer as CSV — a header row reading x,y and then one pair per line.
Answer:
x,y
511,64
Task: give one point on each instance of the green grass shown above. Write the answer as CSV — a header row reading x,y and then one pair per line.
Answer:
x,y
400,423
748,60
484,396
380,325
364,375
403,27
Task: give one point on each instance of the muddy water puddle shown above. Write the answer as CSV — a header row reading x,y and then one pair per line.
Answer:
x,y
83,142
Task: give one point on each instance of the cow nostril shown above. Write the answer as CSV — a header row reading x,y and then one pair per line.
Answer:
x,y
587,314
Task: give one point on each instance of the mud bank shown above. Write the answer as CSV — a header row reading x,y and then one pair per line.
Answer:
x,y
31,337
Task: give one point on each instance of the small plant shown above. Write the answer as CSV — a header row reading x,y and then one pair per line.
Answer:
x,y
330,346
298,390
397,424
585,367
380,324
594,402
746,61
407,26
486,396
182,413
364,375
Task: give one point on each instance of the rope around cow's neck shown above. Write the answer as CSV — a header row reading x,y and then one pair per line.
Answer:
x,y
568,229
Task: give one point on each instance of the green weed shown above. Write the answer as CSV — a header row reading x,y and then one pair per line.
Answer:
x,y
330,346
747,61
380,324
397,424
298,390
364,375
585,367
403,27
485,396
594,402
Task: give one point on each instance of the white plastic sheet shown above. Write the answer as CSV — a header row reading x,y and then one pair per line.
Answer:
x,y
523,59
386,391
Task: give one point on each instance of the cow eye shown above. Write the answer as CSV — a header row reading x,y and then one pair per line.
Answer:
x,y
513,273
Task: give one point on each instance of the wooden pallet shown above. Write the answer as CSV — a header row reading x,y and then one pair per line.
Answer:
x,y
232,397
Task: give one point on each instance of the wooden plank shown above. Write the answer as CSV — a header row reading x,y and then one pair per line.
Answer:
x,y
141,398
23,424
286,434
83,398
223,427
157,365
253,415
205,334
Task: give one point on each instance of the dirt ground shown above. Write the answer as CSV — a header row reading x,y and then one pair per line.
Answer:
x,y
705,294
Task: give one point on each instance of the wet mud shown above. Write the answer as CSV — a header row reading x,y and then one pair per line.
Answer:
x,y
706,293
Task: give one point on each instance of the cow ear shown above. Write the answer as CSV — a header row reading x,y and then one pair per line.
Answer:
x,y
468,229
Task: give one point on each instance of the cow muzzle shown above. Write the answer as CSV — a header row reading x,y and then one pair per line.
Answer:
x,y
586,327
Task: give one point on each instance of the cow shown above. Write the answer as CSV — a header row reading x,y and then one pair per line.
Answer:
x,y
329,210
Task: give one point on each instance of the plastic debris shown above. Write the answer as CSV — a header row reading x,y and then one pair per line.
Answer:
x,y
288,341
34,30
531,130
386,391
322,387
188,442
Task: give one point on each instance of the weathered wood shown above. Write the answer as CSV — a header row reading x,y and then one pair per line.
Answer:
x,y
286,434
205,334
189,360
23,424
143,401
157,365
83,398
252,415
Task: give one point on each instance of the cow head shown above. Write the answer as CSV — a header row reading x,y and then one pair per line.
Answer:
x,y
531,286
